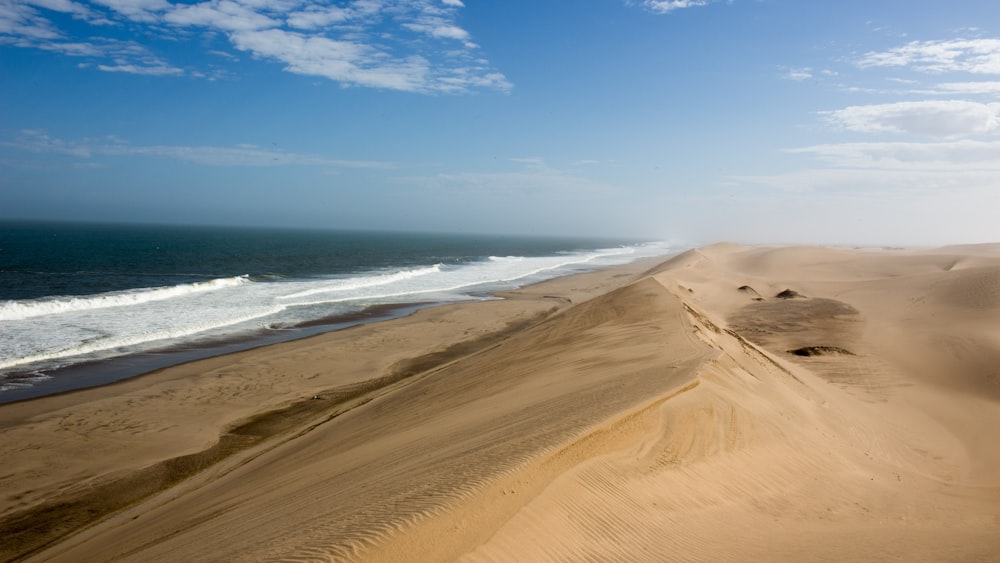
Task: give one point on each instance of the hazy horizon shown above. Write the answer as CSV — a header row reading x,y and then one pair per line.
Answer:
x,y
755,121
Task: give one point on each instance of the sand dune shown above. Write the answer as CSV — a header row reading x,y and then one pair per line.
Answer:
x,y
886,453
678,411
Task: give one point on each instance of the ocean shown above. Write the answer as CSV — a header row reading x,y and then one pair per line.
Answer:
x,y
87,304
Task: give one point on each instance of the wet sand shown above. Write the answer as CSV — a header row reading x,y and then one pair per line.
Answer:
x,y
655,411
111,370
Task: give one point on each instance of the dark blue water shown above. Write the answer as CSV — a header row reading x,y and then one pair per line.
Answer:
x,y
48,259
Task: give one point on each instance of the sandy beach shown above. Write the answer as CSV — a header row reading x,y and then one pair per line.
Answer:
x,y
730,403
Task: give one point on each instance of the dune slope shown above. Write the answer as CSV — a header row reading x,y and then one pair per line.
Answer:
x,y
465,444
879,446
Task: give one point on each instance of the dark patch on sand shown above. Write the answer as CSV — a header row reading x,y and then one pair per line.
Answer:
x,y
787,324
789,294
821,351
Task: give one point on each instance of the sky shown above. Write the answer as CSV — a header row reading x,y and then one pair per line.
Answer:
x,y
860,122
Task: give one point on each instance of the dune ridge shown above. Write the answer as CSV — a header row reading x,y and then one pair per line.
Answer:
x,y
657,411
774,457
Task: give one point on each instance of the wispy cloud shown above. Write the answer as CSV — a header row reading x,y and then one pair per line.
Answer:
x,y
943,156
933,118
889,170
343,61
40,141
665,6
532,178
318,17
147,11
22,24
887,188
408,45
977,56
534,161
163,70
971,88
798,74
75,9
224,15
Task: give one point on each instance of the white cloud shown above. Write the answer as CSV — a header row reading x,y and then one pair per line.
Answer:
x,y
977,56
463,79
357,43
137,10
438,28
315,17
798,74
970,87
161,70
39,141
665,6
25,27
76,49
344,61
275,6
24,23
935,118
77,10
225,55
120,56
219,14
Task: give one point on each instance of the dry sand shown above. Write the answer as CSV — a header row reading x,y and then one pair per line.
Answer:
x,y
650,412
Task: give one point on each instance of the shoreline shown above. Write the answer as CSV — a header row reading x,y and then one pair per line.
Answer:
x,y
108,371
113,369
130,311
664,394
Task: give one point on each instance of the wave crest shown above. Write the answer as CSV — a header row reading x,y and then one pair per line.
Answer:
x,y
355,283
26,309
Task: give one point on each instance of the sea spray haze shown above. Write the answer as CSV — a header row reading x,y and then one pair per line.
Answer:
x,y
75,293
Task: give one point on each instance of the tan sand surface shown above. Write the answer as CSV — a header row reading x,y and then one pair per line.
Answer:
x,y
653,412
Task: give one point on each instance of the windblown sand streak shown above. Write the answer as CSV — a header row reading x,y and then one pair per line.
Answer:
x,y
677,412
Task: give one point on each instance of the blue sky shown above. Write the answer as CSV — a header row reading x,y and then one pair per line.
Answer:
x,y
760,121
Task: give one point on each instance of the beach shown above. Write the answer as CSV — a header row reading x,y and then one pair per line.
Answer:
x,y
730,403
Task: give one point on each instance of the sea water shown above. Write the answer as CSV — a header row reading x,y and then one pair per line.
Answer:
x,y
76,294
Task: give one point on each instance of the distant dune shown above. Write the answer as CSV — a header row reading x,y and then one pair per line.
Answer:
x,y
728,404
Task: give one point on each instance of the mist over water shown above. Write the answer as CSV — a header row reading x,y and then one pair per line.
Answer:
x,y
80,293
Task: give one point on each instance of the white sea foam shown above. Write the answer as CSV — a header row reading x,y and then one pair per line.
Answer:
x,y
26,309
121,342
506,258
362,282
